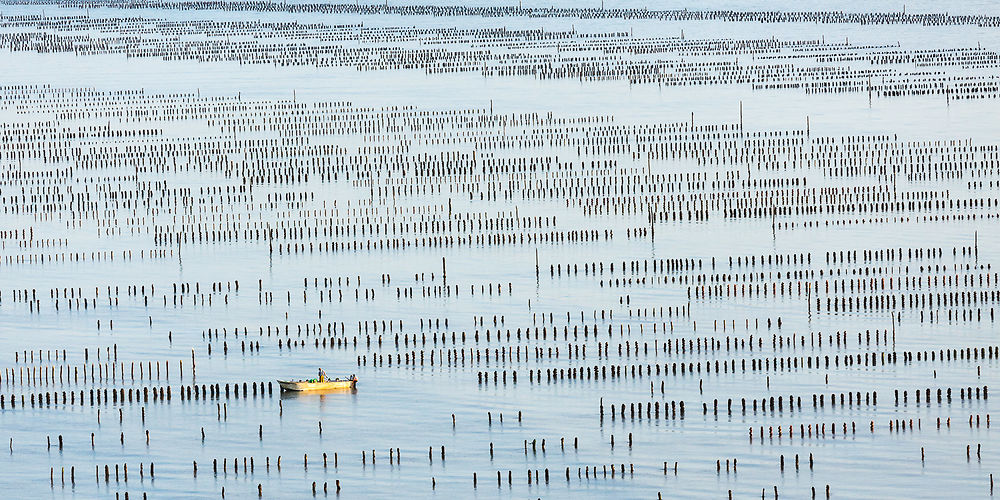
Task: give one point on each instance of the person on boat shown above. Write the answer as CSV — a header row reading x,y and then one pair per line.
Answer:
x,y
322,375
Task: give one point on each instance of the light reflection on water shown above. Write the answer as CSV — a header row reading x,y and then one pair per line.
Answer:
x,y
411,407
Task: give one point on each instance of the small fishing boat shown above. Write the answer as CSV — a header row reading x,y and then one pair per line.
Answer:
x,y
322,382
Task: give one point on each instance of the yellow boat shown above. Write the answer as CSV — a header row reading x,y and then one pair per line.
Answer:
x,y
319,384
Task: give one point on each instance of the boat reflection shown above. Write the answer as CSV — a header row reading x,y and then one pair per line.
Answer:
x,y
322,394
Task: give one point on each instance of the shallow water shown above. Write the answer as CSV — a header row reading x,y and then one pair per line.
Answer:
x,y
416,406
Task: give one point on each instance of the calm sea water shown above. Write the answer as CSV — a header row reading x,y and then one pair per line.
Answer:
x,y
414,408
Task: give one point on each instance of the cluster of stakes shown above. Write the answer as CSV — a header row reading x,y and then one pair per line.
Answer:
x,y
136,183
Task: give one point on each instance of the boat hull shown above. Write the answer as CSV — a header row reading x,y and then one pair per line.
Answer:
x,y
316,386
